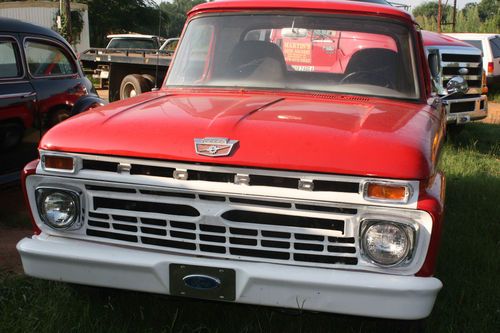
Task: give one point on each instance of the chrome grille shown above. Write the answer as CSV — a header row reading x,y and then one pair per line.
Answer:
x,y
222,225
452,62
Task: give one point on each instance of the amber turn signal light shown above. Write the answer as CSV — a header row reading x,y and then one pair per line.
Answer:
x,y
483,82
59,163
378,191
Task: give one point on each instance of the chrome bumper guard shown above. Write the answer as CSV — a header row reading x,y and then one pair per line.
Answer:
x,y
478,110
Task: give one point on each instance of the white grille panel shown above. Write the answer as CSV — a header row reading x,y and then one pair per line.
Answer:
x,y
232,227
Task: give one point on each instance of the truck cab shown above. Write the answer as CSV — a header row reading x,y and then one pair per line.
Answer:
x,y
133,41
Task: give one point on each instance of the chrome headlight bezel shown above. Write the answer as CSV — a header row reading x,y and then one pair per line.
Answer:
x,y
41,194
409,229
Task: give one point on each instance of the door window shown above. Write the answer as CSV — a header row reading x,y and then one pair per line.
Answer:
x,y
10,65
46,59
495,46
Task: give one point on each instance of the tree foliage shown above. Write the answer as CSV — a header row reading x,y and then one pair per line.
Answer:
x,y
474,17
429,10
175,13
76,26
120,16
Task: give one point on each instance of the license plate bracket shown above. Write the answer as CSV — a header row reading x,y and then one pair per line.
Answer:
x,y
211,283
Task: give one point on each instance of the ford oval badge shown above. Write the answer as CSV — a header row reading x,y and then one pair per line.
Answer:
x,y
201,282
463,71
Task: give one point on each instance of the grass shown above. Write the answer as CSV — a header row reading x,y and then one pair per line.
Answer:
x,y
468,266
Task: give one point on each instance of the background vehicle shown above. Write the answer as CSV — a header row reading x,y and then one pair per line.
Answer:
x,y
169,45
126,68
447,57
243,179
133,41
40,80
489,44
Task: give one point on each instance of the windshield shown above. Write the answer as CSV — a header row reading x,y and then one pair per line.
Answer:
x,y
476,43
297,52
132,43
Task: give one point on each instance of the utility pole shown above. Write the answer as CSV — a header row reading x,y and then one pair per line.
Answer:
x,y
65,10
439,15
454,15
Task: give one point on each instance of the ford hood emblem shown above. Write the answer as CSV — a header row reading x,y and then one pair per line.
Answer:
x,y
201,282
214,147
463,71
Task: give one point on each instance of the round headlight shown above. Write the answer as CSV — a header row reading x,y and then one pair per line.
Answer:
x,y
386,243
58,208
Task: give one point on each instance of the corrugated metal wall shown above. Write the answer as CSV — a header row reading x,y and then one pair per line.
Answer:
x,y
44,14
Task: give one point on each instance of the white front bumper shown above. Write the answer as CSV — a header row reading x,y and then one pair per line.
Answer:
x,y
317,289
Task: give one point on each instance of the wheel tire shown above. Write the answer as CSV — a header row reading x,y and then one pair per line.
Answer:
x,y
10,135
150,79
132,85
58,115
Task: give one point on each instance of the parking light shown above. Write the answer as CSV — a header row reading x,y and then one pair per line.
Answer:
x,y
58,163
383,191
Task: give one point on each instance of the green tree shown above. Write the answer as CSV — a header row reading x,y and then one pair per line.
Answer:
x,y
429,10
482,17
175,13
120,16
488,9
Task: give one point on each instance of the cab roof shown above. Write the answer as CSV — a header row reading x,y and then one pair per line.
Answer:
x,y
139,36
355,7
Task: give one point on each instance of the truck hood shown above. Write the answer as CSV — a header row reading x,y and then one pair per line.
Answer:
x,y
328,133
431,38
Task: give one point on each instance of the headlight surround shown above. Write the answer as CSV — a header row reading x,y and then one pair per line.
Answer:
x,y
387,243
59,208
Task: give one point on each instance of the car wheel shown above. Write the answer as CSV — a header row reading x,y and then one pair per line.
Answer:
x,y
58,115
10,135
133,85
150,79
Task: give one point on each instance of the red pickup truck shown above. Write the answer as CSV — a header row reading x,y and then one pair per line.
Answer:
x,y
246,180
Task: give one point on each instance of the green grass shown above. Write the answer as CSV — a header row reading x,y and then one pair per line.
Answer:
x,y
468,266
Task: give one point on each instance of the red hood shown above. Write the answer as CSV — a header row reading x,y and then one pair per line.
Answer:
x,y
329,134
434,39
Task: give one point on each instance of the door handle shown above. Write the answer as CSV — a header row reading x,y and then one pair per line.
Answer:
x,y
28,95
19,95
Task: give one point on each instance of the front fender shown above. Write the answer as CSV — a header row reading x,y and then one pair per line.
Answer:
x,y
87,102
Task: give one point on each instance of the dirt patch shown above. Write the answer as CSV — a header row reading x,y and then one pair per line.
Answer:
x,y
103,93
493,113
9,258
14,225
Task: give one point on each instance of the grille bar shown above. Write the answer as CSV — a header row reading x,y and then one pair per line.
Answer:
x,y
224,177
451,63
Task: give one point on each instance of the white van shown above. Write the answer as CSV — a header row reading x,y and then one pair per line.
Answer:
x,y
490,45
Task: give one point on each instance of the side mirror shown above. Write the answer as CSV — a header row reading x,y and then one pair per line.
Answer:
x,y
457,85
434,64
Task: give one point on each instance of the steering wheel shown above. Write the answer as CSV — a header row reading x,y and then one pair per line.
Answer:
x,y
368,77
